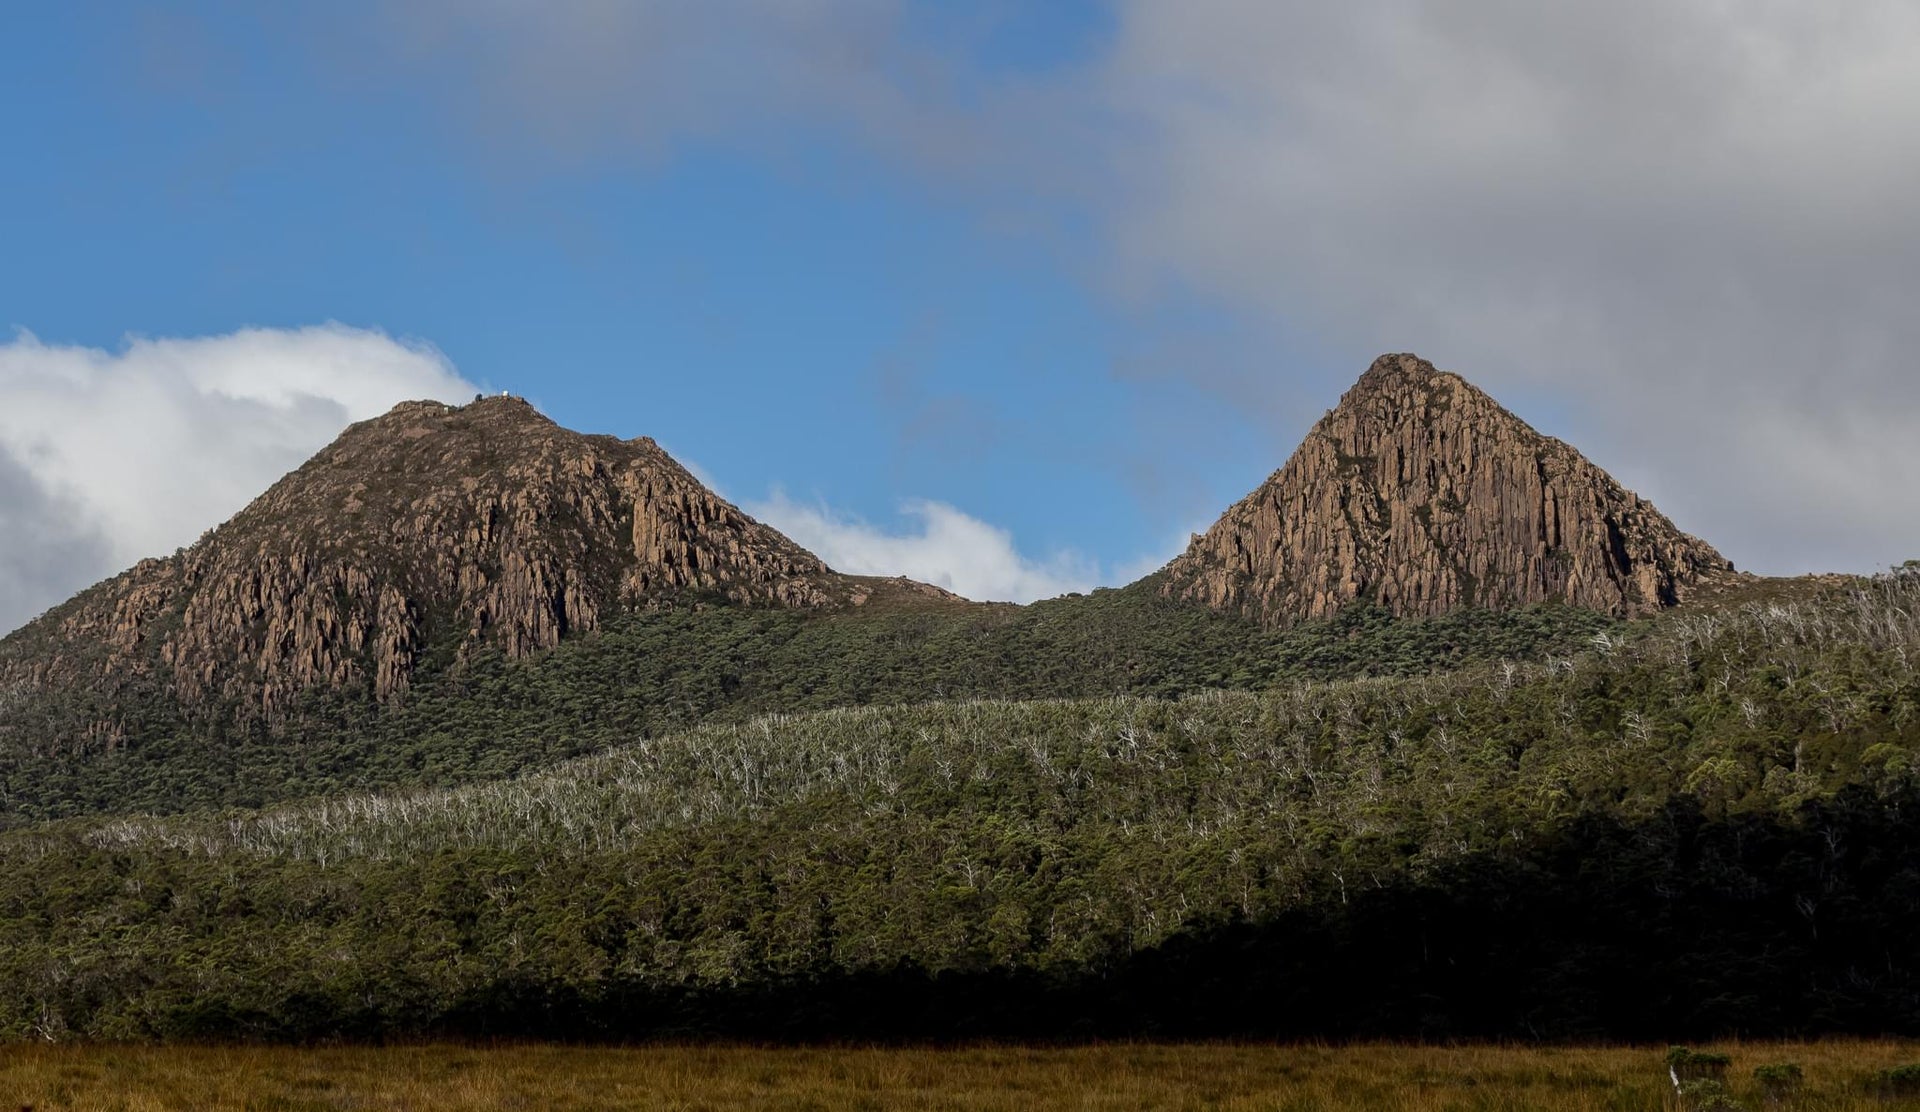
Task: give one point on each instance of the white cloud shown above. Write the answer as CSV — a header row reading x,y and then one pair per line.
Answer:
x,y
110,456
943,546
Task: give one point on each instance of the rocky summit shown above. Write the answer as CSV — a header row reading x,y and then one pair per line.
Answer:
x,y
1420,493
432,525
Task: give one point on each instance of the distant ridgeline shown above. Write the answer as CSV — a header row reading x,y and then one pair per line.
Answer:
x,y
543,738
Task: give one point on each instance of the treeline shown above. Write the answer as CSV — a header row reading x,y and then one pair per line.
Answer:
x,y
654,672
1705,829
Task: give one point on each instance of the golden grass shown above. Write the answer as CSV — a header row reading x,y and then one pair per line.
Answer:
x,y
1104,1077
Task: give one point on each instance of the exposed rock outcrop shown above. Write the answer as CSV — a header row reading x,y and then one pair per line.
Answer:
x,y
433,524
1419,492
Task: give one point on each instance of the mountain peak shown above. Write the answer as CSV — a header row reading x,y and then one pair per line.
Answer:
x,y
1401,370
430,526
1421,493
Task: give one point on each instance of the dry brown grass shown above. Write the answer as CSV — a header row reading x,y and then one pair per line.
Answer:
x,y
1108,1077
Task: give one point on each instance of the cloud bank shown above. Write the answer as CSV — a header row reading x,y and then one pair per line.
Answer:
x,y
107,457
943,546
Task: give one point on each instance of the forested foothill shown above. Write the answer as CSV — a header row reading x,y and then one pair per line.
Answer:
x,y
1517,824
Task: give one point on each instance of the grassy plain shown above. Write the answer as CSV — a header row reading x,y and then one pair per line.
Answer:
x,y
430,1078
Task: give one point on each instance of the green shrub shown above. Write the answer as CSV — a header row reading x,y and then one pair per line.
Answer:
x,y
1699,1077
1681,1055
1900,1081
1779,1073
1779,1081
1706,1094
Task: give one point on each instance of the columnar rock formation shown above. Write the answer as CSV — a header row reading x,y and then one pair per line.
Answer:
x,y
432,524
1419,492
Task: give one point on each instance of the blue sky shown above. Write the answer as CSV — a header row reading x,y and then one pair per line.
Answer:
x,y
805,317
1082,272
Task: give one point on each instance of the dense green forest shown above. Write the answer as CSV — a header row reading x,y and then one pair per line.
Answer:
x,y
1706,824
660,670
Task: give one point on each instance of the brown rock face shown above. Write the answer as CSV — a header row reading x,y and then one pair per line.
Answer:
x,y
483,523
1421,493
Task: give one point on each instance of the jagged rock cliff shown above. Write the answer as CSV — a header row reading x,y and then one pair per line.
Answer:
x,y
1421,493
432,524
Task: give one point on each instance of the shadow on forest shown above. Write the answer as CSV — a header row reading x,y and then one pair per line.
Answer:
x,y
1676,928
